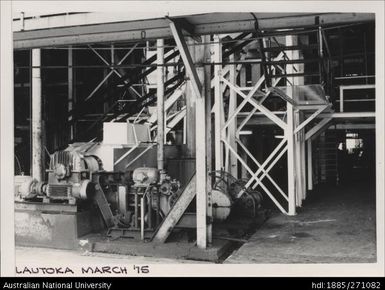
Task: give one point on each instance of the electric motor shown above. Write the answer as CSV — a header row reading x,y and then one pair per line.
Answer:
x,y
144,176
69,177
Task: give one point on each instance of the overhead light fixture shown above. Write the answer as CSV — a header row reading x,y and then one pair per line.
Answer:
x,y
246,132
279,136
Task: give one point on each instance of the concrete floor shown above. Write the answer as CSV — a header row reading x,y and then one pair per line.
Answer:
x,y
336,225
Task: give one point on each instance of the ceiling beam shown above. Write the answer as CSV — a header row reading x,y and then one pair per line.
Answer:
x,y
213,23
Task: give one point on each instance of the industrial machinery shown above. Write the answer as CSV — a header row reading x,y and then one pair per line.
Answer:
x,y
226,196
124,199
132,198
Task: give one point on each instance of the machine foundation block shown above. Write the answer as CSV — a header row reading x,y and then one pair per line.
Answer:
x,y
53,225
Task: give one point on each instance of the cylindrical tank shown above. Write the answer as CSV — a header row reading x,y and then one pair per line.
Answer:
x,y
221,203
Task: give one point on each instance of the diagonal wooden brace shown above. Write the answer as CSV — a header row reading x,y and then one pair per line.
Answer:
x,y
186,57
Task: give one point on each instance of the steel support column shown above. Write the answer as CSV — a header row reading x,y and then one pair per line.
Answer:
x,y
160,103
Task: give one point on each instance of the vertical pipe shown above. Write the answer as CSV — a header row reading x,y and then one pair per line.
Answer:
x,y
70,91
149,210
303,161
320,39
7,142
244,173
112,54
184,130
218,102
157,209
142,217
309,165
160,102
190,109
136,209
300,156
320,53
37,146
297,156
22,22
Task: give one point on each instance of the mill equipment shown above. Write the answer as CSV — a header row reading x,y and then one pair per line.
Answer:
x,y
130,202
119,185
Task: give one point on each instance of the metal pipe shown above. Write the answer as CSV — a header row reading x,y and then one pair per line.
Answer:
x,y
149,209
309,165
157,209
136,209
217,104
160,103
70,87
37,146
142,218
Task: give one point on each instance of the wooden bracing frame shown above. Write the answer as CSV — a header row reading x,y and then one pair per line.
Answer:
x,y
230,150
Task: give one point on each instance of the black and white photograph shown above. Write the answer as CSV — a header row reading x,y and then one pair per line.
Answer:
x,y
192,138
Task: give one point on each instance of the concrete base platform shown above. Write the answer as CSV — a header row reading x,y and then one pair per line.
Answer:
x,y
62,226
227,237
172,250
54,225
336,225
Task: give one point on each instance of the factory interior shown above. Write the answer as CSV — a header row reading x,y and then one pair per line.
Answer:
x,y
234,138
